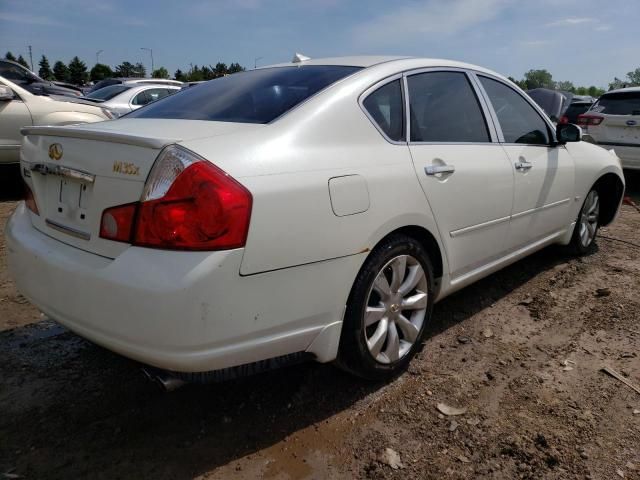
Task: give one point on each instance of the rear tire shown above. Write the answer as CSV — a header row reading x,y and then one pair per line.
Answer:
x,y
389,306
587,224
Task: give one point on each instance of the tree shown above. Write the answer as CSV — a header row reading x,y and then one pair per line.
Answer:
x,y
10,56
593,91
139,70
538,79
60,71
78,71
220,70
100,71
45,69
634,77
125,69
23,62
180,76
160,73
617,83
566,86
235,67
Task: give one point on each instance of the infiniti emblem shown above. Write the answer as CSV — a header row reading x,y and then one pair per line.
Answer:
x,y
55,151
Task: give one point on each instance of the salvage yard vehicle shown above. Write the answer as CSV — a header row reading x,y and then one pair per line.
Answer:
x,y
20,108
32,83
614,122
316,209
125,98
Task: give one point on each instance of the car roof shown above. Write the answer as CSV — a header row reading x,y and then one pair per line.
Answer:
x,y
621,90
366,61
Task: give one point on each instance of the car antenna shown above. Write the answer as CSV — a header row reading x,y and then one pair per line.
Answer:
x,y
298,58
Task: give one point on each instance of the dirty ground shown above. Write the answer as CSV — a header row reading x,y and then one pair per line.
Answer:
x,y
516,356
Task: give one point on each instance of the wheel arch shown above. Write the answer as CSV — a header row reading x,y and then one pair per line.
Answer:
x,y
610,189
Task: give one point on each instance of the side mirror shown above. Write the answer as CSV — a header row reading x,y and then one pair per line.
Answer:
x,y
6,94
568,132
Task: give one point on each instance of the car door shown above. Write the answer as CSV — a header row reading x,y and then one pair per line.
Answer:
x,y
14,115
543,172
465,174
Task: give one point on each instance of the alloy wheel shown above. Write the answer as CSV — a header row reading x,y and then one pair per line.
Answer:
x,y
589,217
395,309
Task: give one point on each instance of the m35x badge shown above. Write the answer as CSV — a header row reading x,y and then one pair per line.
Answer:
x,y
126,168
55,151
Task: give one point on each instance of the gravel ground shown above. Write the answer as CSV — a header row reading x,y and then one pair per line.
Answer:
x,y
520,353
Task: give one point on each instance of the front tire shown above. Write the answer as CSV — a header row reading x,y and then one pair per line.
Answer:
x,y
390,303
587,224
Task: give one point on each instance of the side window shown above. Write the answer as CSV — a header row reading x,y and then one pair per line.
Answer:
x,y
386,107
519,121
444,108
141,99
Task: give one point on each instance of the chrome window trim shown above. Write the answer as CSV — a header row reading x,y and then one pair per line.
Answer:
x,y
373,88
543,116
491,130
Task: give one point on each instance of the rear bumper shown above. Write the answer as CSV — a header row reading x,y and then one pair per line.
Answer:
x,y
181,311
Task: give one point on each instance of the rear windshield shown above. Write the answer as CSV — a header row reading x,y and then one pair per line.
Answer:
x,y
105,83
107,93
256,96
621,103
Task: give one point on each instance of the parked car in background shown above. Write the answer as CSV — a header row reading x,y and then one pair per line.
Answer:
x,y
576,108
124,98
28,80
614,122
20,108
133,81
553,102
313,209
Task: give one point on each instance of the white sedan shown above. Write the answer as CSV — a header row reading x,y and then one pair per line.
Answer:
x,y
126,97
312,209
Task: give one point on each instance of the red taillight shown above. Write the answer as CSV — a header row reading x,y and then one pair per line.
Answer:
x,y
586,119
30,200
117,222
564,120
188,204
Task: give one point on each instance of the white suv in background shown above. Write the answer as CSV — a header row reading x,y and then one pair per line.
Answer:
x,y
614,122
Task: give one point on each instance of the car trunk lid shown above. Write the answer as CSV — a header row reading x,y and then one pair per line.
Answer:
x,y
75,173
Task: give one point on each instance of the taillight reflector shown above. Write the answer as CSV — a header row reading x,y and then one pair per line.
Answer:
x,y
117,222
30,200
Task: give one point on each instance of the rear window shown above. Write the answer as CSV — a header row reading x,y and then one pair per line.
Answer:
x,y
256,96
107,93
621,103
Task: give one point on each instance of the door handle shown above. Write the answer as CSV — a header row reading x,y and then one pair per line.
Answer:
x,y
436,169
524,166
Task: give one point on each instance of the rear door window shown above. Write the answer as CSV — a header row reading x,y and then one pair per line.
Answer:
x,y
444,108
520,122
386,108
619,103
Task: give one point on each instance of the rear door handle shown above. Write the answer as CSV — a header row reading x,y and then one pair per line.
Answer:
x,y
524,166
436,169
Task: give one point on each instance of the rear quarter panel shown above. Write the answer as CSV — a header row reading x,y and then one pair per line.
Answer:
x,y
287,167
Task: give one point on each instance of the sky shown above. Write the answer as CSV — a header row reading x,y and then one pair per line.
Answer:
x,y
588,42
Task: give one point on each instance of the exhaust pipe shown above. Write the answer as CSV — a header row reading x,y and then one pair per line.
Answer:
x,y
164,380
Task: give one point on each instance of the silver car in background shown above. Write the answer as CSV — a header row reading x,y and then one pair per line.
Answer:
x,y
124,98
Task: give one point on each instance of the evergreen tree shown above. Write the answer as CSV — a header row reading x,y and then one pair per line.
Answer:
x,y
180,76
60,71
23,62
10,56
45,70
78,71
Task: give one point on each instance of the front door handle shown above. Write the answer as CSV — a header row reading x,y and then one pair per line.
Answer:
x,y
524,166
436,169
